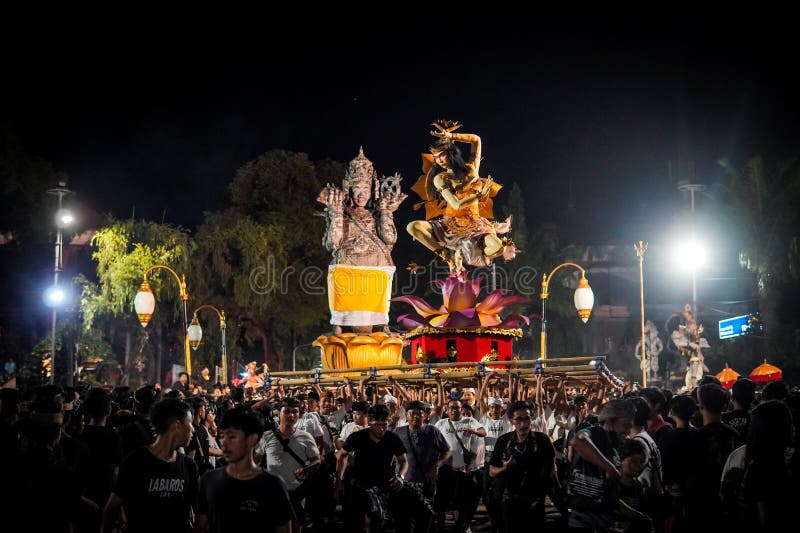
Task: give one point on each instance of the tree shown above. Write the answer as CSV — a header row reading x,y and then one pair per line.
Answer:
x,y
762,202
268,263
124,250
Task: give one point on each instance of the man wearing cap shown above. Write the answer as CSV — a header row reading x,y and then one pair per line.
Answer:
x,y
397,415
592,488
468,397
496,424
39,474
427,452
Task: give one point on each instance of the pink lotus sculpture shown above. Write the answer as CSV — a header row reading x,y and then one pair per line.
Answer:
x,y
461,308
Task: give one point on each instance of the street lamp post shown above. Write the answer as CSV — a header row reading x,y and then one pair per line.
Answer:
x,y
692,188
195,335
584,301
294,355
641,248
63,219
145,304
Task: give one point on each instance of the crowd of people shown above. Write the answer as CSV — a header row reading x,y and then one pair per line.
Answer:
x,y
399,457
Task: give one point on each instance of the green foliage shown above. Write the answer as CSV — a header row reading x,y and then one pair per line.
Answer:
x,y
251,257
762,205
764,200
92,345
124,250
23,182
234,253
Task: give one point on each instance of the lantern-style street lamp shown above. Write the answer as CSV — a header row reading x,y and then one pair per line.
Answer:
x,y
584,301
195,334
145,304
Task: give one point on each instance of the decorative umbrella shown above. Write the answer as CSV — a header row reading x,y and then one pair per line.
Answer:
x,y
727,377
766,372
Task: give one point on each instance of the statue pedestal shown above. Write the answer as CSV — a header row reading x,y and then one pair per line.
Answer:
x,y
437,345
351,350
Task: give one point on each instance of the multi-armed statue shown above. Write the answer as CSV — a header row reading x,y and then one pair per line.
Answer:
x,y
360,234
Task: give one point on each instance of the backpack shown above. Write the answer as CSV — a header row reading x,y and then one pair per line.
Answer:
x,y
587,486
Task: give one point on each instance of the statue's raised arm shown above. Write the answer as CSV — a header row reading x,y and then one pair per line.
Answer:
x,y
458,203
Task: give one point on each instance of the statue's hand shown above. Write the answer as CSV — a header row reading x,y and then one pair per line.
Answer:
x,y
391,203
442,134
335,200
486,188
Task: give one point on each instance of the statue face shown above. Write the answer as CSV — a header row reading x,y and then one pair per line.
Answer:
x,y
361,193
442,160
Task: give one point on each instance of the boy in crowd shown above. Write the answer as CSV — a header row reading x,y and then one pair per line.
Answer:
x,y
242,496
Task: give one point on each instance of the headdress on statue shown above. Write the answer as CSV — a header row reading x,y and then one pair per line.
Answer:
x,y
359,171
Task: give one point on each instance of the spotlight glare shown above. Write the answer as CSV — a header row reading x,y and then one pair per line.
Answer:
x,y
64,218
54,296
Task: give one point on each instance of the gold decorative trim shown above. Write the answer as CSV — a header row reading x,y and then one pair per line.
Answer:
x,y
511,332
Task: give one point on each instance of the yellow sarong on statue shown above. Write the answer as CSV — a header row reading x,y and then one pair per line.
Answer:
x,y
359,295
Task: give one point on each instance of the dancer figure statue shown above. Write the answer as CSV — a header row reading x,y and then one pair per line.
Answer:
x,y
458,207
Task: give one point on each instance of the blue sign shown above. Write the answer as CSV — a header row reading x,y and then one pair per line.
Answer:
x,y
738,325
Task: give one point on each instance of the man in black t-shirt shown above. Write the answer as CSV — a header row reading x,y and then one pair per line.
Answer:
x,y
156,485
718,440
105,454
373,483
522,463
242,496
743,393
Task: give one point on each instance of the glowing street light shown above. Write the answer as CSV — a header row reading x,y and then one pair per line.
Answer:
x,y
145,304
64,218
583,299
55,295
690,256
195,334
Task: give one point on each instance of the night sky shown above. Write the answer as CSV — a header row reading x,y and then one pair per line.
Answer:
x,y
603,104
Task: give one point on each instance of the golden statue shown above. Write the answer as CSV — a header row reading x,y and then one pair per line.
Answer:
x,y
458,205
452,354
421,357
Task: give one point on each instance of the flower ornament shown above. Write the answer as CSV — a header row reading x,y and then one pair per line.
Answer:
x,y
461,308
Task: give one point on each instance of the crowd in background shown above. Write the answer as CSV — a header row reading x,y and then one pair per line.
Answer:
x,y
204,457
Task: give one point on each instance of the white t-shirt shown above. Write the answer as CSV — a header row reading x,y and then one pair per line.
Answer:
x,y
651,476
310,423
280,462
336,418
495,428
350,428
471,441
